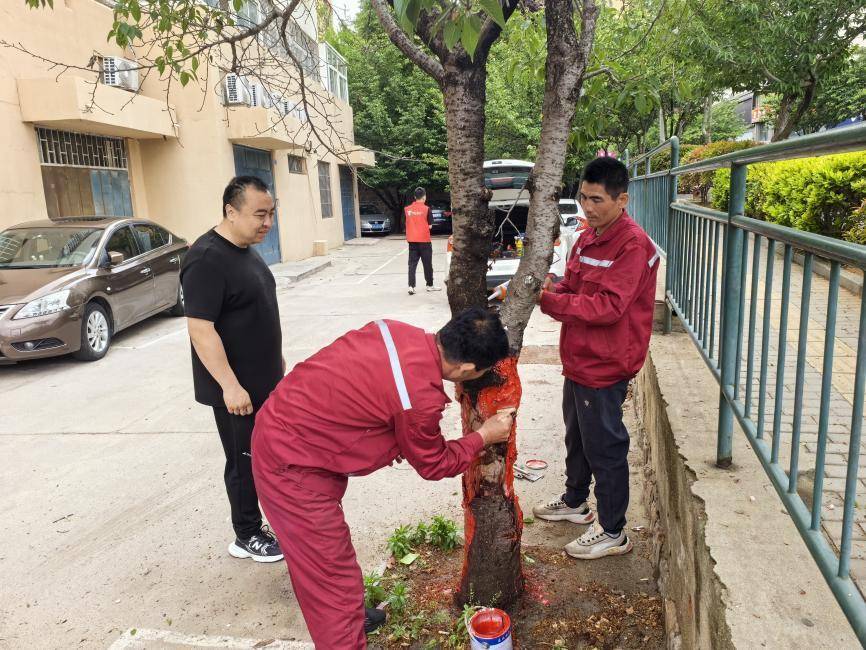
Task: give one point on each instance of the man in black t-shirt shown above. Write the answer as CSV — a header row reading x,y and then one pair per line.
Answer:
x,y
230,300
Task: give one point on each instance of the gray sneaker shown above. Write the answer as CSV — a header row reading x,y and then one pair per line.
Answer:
x,y
596,543
558,510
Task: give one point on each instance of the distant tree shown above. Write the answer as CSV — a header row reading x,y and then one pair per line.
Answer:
x,y
398,112
723,124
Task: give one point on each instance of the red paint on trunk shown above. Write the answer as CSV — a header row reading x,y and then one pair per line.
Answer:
x,y
492,476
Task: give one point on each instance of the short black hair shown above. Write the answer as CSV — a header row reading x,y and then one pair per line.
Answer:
x,y
474,336
420,193
234,191
609,172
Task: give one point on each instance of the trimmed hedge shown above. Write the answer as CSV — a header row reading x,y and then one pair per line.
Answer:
x,y
662,160
699,184
824,195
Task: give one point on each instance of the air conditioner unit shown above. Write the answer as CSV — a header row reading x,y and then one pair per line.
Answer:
x,y
235,91
120,73
259,95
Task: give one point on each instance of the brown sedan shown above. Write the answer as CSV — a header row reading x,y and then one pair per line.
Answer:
x,y
68,286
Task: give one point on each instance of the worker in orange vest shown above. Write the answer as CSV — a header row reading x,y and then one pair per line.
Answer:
x,y
419,220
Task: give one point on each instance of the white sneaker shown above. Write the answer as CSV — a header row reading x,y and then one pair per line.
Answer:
x,y
558,510
596,543
411,291
434,288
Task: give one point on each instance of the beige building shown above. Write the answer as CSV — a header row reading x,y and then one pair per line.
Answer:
x,y
114,142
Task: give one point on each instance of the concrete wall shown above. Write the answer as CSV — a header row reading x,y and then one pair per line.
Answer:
x,y
733,569
176,181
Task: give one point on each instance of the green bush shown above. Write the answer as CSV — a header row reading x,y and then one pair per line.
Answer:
x,y
824,195
699,184
662,160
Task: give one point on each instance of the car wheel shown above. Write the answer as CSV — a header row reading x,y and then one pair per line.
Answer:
x,y
95,333
178,310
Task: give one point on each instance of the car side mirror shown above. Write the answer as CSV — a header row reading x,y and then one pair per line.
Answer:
x,y
114,258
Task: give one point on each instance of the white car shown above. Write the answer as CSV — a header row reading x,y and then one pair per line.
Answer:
x,y
505,254
505,179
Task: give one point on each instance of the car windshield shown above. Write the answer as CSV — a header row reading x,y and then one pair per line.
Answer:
x,y
369,209
568,208
48,247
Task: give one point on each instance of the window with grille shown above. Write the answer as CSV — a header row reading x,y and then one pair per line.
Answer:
x,y
296,165
80,150
325,189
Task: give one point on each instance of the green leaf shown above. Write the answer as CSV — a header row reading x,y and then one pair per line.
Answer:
x,y
184,78
238,4
135,10
452,34
409,558
528,520
160,65
194,64
471,32
494,10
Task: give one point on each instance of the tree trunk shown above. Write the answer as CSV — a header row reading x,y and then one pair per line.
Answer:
x,y
707,124
663,127
492,572
464,93
786,121
494,522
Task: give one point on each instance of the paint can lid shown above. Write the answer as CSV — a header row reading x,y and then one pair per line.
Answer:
x,y
535,463
489,623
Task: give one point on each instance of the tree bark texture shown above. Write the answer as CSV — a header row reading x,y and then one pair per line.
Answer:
x,y
492,573
567,58
788,119
465,94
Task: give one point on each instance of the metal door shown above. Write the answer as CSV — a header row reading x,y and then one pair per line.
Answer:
x,y
347,200
256,162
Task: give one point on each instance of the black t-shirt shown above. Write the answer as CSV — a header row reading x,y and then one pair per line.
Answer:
x,y
234,289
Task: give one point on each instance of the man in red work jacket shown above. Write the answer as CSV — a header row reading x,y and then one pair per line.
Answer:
x,y
605,304
419,220
373,396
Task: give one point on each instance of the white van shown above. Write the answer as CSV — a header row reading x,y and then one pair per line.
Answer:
x,y
506,178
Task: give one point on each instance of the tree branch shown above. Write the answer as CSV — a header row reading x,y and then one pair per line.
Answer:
x,y
402,40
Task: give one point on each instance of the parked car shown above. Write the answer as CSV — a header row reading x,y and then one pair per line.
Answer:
x,y
68,286
505,252
373,220
441,217
505,179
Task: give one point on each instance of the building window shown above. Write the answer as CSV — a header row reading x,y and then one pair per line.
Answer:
x,y
84,175
336,78
296,165
80,150
325,189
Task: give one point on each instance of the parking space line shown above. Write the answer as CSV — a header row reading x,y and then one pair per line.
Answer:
x,y
372,273
138,637
149,343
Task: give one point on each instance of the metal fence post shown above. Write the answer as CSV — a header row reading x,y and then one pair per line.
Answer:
x,y
729,332
672,196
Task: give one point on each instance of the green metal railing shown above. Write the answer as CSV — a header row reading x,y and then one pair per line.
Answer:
x,y
720,275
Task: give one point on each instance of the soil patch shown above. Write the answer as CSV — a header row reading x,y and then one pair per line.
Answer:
x,y
561,608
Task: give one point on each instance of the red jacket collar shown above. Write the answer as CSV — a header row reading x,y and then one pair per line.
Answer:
x,y
621,222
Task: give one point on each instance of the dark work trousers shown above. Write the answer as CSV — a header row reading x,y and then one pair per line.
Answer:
x,y
235,432
424,252
596,444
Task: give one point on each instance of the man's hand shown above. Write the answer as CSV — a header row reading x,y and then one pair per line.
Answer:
x,y
497,428
238,400
547,284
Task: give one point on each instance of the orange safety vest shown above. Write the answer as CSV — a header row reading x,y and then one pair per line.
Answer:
x,y
417,226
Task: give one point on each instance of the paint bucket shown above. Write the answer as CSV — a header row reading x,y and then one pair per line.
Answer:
x,y
490,628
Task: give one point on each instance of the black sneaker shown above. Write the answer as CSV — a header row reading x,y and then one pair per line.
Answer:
x,y
373,619
262,547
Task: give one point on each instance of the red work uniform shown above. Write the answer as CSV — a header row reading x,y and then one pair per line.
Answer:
x,y
374,394
605,304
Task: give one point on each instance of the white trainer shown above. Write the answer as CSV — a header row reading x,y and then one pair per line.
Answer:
x,y
558,510
411,291
434,288
596,543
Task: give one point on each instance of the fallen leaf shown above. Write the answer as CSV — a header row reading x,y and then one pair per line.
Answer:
x,y
409,558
